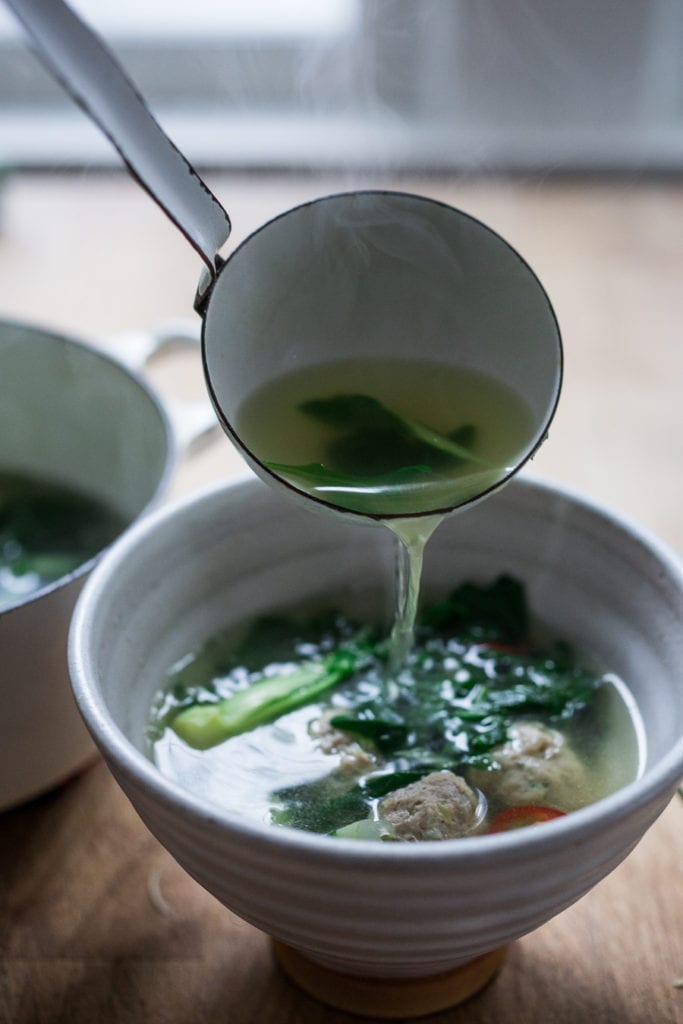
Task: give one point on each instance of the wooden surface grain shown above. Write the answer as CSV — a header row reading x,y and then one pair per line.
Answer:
x,y
97,922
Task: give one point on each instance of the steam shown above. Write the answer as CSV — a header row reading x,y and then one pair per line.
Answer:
x,y
359,88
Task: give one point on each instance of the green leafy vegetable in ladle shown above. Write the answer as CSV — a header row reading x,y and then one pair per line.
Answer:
x,y
376,445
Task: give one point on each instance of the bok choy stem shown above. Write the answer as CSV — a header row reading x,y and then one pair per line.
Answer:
x,y
206,725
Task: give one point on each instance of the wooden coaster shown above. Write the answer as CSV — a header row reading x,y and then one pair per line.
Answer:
x,y
389,998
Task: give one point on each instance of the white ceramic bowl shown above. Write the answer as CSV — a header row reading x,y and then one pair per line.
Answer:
x,y
384,910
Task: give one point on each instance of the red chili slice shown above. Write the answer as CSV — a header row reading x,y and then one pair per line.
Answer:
x,y
501,648
520,817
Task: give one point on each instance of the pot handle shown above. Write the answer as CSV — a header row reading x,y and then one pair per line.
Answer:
x,y
88,71
193,421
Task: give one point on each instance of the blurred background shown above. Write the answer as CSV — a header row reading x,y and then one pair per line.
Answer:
x,y
530,85
559,124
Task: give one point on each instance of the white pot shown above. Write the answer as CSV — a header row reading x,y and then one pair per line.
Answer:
x,y
71,415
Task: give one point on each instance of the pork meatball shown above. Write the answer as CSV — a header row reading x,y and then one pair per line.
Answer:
x,y
438,806
536,766
353,758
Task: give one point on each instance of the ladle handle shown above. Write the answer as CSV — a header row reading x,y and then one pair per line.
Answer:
x,y
89,72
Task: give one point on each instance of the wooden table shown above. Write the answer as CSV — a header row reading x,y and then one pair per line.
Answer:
x,y
97,922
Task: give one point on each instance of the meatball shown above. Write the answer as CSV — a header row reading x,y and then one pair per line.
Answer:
x,y
536,766
353,758
438,806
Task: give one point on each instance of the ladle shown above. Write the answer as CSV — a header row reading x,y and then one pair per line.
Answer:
x,y
374,275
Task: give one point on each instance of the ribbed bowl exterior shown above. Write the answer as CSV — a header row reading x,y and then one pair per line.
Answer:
x,y
412,917
384,910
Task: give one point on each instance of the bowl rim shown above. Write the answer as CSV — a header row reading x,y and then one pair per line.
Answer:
x,y
657,783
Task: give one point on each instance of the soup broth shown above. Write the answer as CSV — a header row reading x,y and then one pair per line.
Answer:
x,y
46,531
388,437
300,722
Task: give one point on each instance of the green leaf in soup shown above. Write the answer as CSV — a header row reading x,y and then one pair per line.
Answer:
x,y
376,440
384,733
379,785
352,412
319,806
497,613
375,456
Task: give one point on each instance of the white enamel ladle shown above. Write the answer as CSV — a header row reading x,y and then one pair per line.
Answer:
x,y
372,273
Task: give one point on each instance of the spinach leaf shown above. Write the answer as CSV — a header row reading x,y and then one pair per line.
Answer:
x,y
376,444
385,733
319,806
379,785
497,613
363,416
